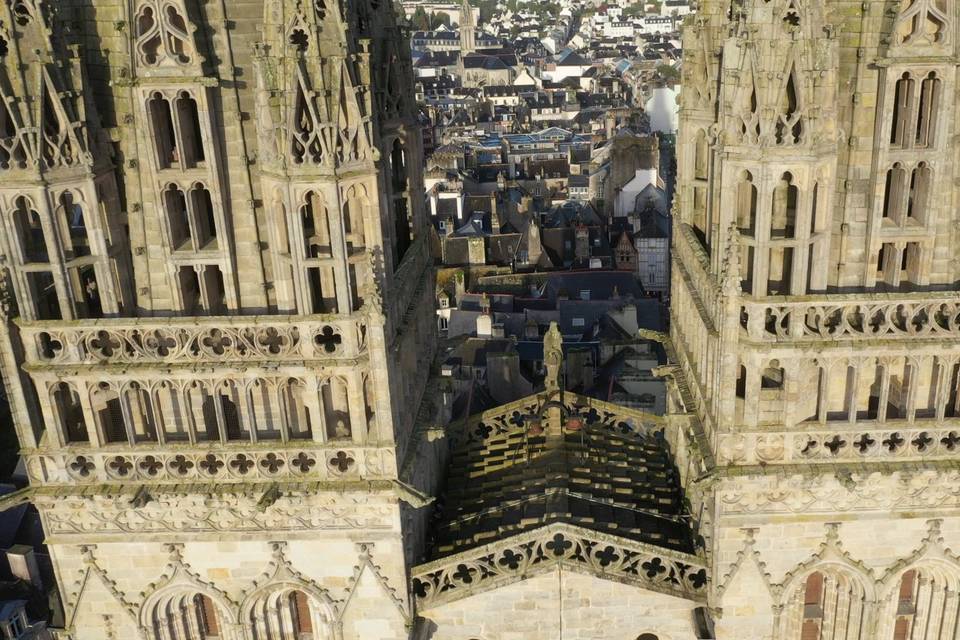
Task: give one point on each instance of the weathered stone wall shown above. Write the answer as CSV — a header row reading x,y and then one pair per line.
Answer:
x,y
563,604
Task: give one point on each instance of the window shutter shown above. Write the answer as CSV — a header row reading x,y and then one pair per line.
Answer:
x,y
304,623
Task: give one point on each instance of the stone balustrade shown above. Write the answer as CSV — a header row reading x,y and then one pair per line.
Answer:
x,y
694,264
866,442
852,317
188,341
290,461
540,550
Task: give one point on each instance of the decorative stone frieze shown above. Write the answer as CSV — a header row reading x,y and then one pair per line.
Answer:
x,y
221,464
195,340
523,555
188,512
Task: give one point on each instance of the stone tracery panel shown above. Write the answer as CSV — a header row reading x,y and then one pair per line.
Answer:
x,y
542,549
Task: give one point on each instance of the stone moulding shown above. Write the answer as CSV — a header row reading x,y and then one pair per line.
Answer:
x,y
222,464
539,551
179,341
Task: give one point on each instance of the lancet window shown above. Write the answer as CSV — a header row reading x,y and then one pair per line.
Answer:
x,y
186,617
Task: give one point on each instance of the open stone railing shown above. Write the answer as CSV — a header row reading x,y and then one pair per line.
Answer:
x,y
853,317
824,444
193,340
291,461
541,550
695,263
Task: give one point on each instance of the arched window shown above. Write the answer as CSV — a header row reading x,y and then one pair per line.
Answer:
x,y
189,119
26,220
316,227
902,116
812,607
893,193
825,600
746,203
203,220
927,113
164,136
290,614
919,194
336,408
297,413
184,616
76,242
67,404
175,203
783,218
105,403
906,605
140,408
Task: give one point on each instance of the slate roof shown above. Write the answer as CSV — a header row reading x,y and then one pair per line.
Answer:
x,y
614,476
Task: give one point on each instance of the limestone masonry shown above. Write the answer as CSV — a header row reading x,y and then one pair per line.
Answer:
x,y
219,329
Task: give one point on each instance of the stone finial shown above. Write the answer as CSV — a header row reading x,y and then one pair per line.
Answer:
x,y
553,357
730,272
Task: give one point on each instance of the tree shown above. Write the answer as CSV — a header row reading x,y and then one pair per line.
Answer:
x,y
668,73
440,18
420,20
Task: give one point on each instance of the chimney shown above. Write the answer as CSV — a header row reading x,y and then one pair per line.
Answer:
x,y
526,204
449,227
484,325
23,564
497,330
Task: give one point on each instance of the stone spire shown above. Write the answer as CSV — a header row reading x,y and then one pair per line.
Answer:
x,y
467,29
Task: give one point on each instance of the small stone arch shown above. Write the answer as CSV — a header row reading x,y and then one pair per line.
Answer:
x,y
188,610
275,607
825,591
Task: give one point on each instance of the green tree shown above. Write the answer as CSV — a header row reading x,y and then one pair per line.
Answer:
x,y
668,73
440,18
420,20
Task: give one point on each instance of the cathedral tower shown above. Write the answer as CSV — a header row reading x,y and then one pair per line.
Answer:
x,y
815,314
215,251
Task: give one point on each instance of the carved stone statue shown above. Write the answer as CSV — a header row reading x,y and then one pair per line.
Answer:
x,y
553,357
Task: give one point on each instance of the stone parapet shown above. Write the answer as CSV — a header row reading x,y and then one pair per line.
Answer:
x,y
211,463
531,553
179,342
849,317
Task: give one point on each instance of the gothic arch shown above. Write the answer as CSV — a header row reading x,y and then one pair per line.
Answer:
x,y
178,592
280,581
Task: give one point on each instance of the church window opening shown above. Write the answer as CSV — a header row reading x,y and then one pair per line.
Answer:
x,y
203,221
783,219
401,209
76,243
181,237
190,131
893,193
33,243
906,606
812,607
67,405
917,198
902,107
746,203
930,90
164,137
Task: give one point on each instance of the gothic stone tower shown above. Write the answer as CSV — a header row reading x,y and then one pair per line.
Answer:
x,y
816,314
214,247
